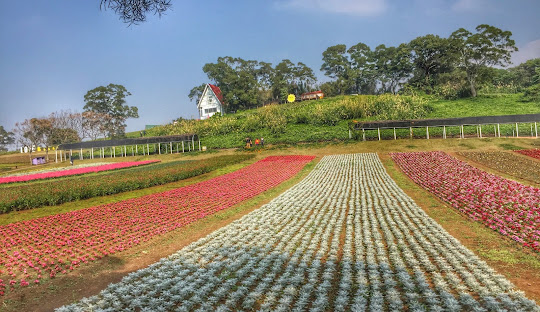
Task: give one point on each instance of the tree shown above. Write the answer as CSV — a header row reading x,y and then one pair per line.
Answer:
x,y
110,100
489,46
6,138
431,56
134,11
336,65
362,62
94,124
196,92
392,66
32,133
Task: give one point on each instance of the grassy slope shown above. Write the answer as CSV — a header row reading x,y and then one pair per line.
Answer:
x,y
507,104
483,105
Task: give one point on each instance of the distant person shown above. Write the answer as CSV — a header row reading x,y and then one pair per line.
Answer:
x,y
247,142
71,159
262,142
257,142
140,133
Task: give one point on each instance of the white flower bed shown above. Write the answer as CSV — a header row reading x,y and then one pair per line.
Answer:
x,y
345,238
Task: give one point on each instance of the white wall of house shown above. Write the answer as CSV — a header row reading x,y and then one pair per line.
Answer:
x,y
209,104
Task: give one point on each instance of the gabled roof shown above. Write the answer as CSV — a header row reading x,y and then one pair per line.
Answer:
x,y
215,90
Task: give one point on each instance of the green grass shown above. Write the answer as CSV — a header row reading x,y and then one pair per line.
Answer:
x,y
327,120
483,105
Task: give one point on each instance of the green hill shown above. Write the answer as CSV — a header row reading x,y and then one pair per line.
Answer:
x,y
327,119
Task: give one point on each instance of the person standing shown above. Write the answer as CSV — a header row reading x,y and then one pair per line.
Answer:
x,y
262,142
257,142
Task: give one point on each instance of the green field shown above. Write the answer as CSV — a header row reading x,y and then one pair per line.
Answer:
x,y
327,120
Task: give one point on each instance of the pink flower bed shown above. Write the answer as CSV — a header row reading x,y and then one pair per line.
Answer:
x,y
535,153
76,171
506,206
45,247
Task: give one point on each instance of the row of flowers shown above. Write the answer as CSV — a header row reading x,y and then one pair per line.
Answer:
x,y
54,192
508,162
55,169
535,153
75,171
53,245
506,206
346,238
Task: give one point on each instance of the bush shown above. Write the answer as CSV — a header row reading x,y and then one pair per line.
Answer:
x,y
531,94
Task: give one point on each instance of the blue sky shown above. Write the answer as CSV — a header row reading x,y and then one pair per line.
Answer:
x,y
53,52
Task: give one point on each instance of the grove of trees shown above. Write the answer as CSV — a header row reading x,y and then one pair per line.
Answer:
x,y
248,83
453,67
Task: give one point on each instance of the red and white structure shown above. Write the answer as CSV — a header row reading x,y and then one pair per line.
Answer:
x,y
210,102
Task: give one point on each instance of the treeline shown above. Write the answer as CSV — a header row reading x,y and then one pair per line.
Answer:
x,y
453,67
105,114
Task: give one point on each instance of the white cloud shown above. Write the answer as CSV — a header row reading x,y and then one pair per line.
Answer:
x,y
469,5
351,7
528,51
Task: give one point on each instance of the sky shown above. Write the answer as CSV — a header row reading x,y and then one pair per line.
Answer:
x,y
53,52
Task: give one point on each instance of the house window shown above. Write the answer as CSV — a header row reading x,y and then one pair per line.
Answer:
x,y
210,110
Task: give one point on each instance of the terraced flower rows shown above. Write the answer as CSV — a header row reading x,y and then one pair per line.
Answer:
x,y
506,206
534,153
508,162
346,238
75,171
55,169
53,245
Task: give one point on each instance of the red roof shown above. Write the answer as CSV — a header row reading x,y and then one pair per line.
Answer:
x,y
313,92
217,92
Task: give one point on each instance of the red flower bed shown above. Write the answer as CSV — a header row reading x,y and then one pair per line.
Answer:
x,y
48,246
506,206
535,153
76,171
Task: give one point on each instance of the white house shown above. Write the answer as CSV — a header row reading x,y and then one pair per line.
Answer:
x,y
210,102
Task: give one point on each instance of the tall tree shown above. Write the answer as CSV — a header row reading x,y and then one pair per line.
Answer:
x,y
94,124
362,62
392,66
336,64
489,46
135,11
431,56
6,138
111,100
196,92
32,133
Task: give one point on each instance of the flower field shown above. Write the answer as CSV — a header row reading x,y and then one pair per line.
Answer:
x,y
55,169
44,247
346,238
508,162
535,153
506,206
75,171
51,192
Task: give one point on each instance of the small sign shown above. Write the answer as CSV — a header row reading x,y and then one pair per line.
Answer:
x,y
291,98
